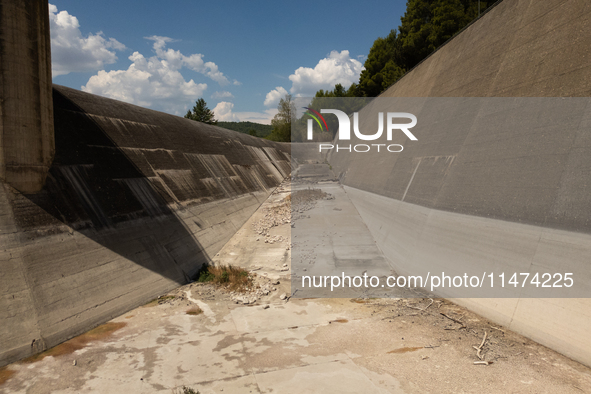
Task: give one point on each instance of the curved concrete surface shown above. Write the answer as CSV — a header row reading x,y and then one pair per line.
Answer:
x,y
293,345
520,202
135,202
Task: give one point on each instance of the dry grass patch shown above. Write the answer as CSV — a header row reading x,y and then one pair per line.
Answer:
x,y
228,276
195,311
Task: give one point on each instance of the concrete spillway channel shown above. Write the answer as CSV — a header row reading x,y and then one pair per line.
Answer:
x,y
105,205
263,341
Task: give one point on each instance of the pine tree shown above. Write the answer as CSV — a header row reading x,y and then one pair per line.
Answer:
x,y
201,113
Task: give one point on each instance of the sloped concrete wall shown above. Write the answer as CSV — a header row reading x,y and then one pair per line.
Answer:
x,y
135,202
516,203
520,48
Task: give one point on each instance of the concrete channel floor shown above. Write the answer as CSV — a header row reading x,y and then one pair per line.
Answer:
x,y
274,345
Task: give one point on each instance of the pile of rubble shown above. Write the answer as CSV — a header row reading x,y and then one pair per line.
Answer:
x,y
271,239
261,287
304,200
273,216
288,210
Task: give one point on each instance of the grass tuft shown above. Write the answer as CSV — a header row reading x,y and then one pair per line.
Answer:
x,y
233,278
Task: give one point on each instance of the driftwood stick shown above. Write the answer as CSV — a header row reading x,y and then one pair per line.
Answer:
x,y
479,348
454,320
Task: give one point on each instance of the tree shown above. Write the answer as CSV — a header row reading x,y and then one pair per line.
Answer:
x,y
338,91
382,67
429,23
201,113
425,26
282,120
252,132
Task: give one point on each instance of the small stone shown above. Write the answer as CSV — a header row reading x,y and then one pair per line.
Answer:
x,y
283,296
265,306
74,363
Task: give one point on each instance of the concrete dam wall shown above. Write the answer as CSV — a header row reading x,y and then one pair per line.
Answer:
x,y
471,196
135,202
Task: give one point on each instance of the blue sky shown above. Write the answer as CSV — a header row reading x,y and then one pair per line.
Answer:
x,y
240,56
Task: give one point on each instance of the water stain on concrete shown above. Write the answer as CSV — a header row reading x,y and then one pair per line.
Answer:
x,y
99,333
227,341
5,374
405,350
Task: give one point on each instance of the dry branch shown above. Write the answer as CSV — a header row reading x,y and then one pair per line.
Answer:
x,y
454,320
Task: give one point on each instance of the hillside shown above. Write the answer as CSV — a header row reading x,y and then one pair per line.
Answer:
x,y
262,130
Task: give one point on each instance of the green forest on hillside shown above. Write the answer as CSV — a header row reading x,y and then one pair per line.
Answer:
x,y
261,130
424,27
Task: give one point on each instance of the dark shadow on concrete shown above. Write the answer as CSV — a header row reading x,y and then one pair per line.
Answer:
x,y
96,189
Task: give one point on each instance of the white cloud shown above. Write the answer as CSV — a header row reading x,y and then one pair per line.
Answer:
x,y
149,83
176,60
273,97
334,69
223,112
338,67
237,83
257,117
221,95
157,82
71,51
